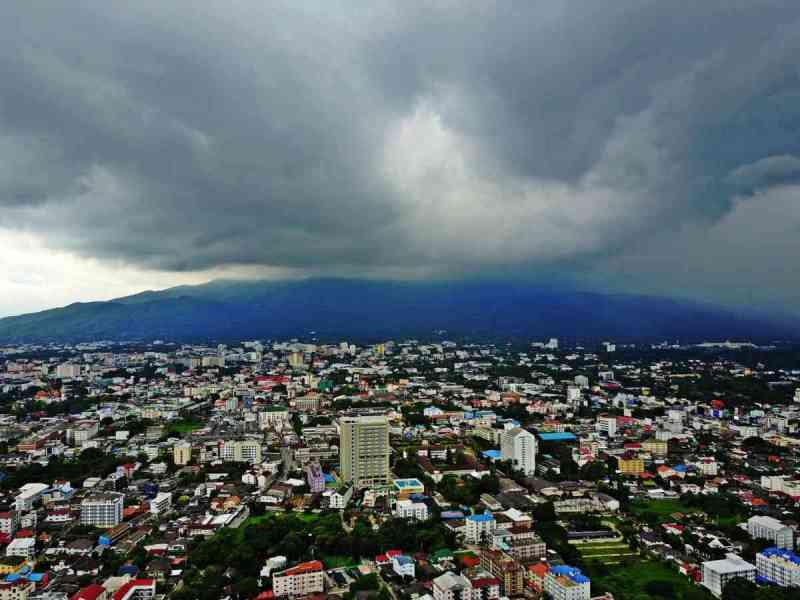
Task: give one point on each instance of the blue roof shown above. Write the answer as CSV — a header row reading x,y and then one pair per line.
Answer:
x,y
484,518
493,454
574,573
329,478
403,560
781,553
557,437
680,468
404,483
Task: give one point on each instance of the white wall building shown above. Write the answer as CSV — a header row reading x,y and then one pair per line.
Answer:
x,y
771,529
301,580
479,528
779,566
102,509
408,509
717,573
519,446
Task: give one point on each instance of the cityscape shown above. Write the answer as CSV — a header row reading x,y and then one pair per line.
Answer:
x,y
399,300
400,470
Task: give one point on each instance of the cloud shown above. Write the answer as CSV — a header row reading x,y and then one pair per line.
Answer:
x,y
406,138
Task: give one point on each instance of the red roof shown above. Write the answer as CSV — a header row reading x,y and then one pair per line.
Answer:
x,y
90,592
306,567
484,582
128,587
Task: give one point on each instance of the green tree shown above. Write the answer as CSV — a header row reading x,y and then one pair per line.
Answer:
x,y
739,588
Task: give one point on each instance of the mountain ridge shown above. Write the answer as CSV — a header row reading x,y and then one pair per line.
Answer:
x,y
372,309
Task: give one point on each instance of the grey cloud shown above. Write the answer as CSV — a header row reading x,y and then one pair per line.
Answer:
x,y
407,136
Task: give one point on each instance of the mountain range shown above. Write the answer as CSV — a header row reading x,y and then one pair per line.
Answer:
x,y
372,310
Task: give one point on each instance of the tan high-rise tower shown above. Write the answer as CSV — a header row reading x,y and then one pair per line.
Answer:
x,y
364,450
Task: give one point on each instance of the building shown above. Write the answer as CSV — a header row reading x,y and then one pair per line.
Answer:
x,y
273,416
408,509
22,547
630,465
403,565
9,521
182,453
161,503
519,446
28,495
716,573
136,589
450,586
607,424
315,478
248,451
18,589
778,566
94,591
102,509
68,371
771,529
563,582
364,450
301,580
479,528
338,499
407,487
508,571
485,588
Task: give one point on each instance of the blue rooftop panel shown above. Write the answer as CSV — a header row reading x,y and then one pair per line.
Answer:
x,y
493,454
564,436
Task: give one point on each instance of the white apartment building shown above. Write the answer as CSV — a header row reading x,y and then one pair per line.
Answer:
x,y
607,425
567,583
450,586
519,446
771,529
28,495
24,547
161,503
408,509
9,522
102,509
301,580
338,499
779,566
717,573
68,371
248,451
479,528
273,416
19,589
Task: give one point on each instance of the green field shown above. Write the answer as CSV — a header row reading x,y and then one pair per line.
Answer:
x,y
184,426
304,517
607,553
662,508
334,561
630,582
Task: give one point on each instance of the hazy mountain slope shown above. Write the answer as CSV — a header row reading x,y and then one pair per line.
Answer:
x,y
376,309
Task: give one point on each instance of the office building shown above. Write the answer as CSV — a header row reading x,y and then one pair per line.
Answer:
x,y
408,509
364,450
247,451
161,503
102,509
717,573
519,446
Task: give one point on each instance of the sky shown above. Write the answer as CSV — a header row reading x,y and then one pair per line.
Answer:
x,y
635,145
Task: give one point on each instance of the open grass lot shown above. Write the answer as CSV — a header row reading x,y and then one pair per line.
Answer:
x,y
607,553
629,582
305,517
662,508
184,426
335,561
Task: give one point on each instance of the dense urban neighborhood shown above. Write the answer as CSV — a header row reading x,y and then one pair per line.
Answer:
x,y
402,470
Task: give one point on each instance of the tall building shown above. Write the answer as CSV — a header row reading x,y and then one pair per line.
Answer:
x,y
479,528
315,478
771,529
102,509
364,450
182,453
519,446
717,573
779,567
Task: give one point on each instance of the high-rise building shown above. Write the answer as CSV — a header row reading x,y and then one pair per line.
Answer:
x,y
248,451
182,453
563,582
102,509
364,450
519,446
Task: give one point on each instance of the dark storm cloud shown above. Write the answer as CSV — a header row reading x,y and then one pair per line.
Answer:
x,y
407,136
